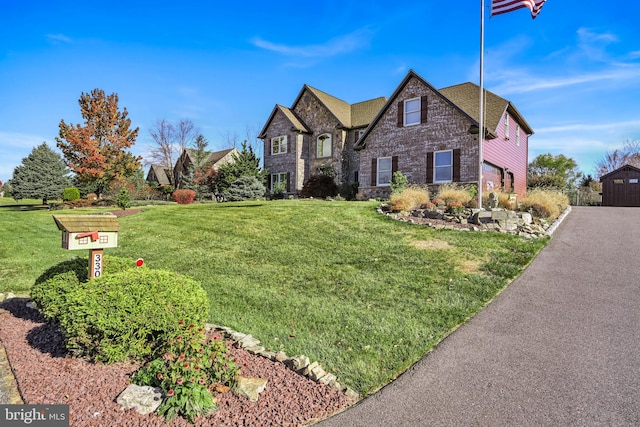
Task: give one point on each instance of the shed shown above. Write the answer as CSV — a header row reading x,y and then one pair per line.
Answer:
x,y
88,231
621,187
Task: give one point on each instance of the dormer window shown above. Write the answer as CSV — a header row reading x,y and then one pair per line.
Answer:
x,y
324,145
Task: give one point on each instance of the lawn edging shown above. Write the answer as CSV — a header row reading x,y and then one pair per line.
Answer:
x,y
299,364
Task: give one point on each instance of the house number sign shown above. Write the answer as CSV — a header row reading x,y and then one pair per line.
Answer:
x,y
96,260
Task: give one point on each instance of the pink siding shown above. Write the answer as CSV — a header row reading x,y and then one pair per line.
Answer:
x,y
507,154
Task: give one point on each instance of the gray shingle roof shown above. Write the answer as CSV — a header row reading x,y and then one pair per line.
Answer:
x,y
160,171
363,113
467,97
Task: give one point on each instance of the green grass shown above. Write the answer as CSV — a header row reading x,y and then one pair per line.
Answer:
x,y
362,294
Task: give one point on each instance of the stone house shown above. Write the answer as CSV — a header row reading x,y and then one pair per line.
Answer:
x,y
429,135
316,135
189,158
164,176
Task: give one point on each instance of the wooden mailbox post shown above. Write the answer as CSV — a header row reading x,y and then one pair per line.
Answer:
x,y
92,232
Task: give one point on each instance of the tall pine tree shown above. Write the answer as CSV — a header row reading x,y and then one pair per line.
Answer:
x,y
244,163
42,175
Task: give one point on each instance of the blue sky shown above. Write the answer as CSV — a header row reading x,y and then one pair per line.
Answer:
x,y
573,72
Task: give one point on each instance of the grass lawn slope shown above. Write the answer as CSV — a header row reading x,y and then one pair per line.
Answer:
x,y
362,294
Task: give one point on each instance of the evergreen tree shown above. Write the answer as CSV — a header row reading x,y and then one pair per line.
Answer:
x,y
42,175
244,163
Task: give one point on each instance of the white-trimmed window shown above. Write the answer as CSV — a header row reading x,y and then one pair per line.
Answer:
x,y
279,145
278,178
506,126
443,166
384,171
323,146
412,111
518,135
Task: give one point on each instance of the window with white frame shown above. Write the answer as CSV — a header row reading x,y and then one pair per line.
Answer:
x,y
278,179
506,126
443,166
279,145
518,135
324,145
412,112
384,171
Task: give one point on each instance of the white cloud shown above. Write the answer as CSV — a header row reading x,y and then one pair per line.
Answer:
x,y
59,39
336,46
590,127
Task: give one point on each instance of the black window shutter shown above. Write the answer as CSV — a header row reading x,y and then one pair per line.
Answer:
x,y
269,178
374,172
456,165
288,182
288,144
430,167
423,109
394,165
400,114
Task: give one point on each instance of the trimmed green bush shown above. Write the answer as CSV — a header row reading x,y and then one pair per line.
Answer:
x,y
127,314
70,194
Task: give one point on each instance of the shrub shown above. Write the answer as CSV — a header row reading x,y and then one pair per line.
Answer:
x,y
188,370
454,193
398,182
319,186
184,197
92,196
278,190
548,204
70,193
409,199
52,288
245,188
123,201
124,315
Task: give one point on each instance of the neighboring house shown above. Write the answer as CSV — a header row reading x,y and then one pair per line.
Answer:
x,y
316,135
429,135
621,187
160,175
189,158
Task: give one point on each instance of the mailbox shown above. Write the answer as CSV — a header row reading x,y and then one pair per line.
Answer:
x,y
88,231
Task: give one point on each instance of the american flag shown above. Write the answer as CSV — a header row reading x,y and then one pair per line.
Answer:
x,y
503,6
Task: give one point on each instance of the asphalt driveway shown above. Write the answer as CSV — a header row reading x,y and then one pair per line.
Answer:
x,y
559,347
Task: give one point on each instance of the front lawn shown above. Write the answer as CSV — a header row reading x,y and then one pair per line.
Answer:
x,y
362,294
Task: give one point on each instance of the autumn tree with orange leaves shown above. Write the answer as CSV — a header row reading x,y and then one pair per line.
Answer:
x,y
97,151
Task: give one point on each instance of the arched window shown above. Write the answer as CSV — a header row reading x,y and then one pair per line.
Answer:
x,y
324,145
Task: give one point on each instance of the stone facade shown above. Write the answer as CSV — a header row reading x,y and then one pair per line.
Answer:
x,y
446,128
315,119
362,134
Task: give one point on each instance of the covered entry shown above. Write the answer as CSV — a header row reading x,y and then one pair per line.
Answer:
x,y
621,187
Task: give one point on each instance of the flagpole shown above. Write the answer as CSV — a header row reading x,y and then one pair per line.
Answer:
x,y
481,109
